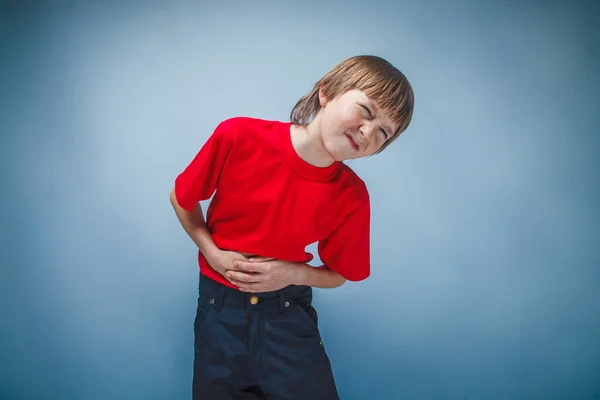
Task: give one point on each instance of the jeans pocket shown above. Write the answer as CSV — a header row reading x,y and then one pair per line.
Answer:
x,y
312,313
205,304
310,318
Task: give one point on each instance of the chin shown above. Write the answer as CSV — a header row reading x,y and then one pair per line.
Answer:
x,y
343,156
339,151
349,157
336,157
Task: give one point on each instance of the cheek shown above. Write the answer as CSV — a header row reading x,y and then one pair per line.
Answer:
x,y
352,117
344,118
339,121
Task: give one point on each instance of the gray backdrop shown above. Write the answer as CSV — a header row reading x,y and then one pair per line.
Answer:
x,y
486,217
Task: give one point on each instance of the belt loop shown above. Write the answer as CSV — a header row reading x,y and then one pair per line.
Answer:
x,y
219,297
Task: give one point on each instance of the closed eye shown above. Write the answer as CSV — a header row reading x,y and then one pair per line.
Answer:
x,y
368,110
385,134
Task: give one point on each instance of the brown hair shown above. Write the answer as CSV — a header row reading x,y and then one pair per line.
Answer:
x,y
376,77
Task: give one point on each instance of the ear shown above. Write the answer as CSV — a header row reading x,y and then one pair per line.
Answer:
x,y
322,98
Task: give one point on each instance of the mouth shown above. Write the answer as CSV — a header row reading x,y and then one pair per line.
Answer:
x,y
353,143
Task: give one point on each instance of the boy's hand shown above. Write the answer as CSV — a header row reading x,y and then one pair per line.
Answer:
x,y
260,274
223,261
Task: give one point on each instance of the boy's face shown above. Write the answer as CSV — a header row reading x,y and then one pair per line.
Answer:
x,y
353,126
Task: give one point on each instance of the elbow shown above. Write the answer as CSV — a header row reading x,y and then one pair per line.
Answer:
x,y
173,199
340,279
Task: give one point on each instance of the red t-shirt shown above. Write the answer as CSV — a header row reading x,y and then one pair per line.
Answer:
x,y
270,202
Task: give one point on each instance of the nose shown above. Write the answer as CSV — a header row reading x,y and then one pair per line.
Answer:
x,y
367,131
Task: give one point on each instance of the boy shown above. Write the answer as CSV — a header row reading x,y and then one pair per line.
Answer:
x,y
278,187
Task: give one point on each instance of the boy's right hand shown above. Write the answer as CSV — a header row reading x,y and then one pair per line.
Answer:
x,y
222,261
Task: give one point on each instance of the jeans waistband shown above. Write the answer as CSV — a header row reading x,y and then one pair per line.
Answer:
x,y
223,295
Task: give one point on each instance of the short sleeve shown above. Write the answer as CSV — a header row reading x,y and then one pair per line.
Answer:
x,y
347,250
200,178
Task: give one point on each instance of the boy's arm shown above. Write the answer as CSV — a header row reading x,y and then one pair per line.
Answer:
x,y
195,226
266,275
320,277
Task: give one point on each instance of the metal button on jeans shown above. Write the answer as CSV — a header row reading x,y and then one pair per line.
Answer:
x,y
212,301
254,300
287,303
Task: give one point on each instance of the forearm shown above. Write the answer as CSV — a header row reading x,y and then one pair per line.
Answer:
x,y
321,277
195,226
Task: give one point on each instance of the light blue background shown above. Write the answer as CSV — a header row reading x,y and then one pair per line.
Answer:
x,y
486,212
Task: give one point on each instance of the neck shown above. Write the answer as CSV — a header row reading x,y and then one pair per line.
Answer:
x,y
309,145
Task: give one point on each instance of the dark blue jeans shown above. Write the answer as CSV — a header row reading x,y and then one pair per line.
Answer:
x,y
259,346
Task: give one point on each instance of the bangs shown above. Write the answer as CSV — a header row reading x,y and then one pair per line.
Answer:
x,y
393,95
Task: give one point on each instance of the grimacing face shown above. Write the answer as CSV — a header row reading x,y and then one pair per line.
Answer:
x,y
352,125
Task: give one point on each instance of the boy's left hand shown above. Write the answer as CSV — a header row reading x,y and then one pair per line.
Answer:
x,y
261,274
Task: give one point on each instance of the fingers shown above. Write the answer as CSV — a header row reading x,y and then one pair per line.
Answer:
x,y
247,283
243,266
249,266
241,277
261,259
251,275
251,288
258,287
